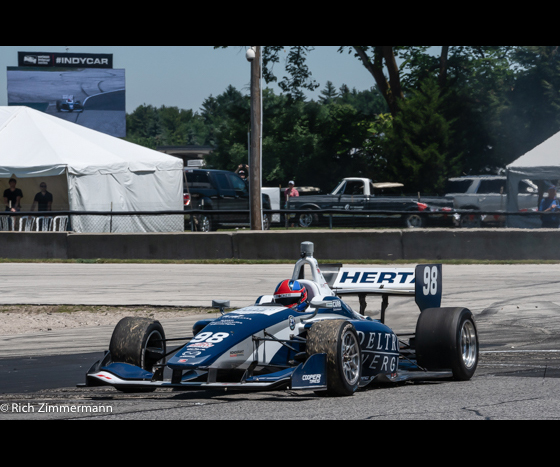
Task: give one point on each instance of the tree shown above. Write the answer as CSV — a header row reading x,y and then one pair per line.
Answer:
x,y
418,144
328,94
529,111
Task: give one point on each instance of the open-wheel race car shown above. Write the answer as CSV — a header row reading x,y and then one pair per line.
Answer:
x,y
69,104
322,345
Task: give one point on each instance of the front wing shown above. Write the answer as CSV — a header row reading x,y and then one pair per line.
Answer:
x,y
309,376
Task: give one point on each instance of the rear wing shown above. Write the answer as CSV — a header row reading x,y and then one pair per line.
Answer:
x,y
424,283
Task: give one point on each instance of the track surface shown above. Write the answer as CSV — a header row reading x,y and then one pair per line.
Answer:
x,y
517,310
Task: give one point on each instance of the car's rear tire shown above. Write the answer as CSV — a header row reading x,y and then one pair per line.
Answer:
x,y
447,339
339,341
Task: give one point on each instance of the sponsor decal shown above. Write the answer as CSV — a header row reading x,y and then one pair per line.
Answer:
x,y
200,346
82,61
377,277
380,351
190,354
64,60
292,322
312,379
260,310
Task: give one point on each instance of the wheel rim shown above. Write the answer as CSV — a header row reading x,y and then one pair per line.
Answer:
x,y
414,222
204,224
351,358
469,345
153,351
306,220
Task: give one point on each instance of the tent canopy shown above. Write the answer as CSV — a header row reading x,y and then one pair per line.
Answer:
x,y
33,144
103,173
540,164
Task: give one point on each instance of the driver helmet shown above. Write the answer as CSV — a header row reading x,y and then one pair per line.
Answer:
x,y
291,294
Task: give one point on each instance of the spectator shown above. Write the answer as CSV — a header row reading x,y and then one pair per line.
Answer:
x,y
43,199
550,204
243,172
12,197
291,192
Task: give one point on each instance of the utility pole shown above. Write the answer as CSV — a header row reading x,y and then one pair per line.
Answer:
x,y
254,56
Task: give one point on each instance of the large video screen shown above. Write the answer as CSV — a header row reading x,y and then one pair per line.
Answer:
x,y
91,97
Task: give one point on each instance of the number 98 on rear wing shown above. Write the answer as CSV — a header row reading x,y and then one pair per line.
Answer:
x,y
424,283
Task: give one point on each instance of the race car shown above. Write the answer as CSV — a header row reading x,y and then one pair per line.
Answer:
x,y
325,347
68,104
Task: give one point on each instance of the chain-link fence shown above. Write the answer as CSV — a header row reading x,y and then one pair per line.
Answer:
x,y
94,222
207,220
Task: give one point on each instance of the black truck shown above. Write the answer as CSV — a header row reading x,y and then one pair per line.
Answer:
x,y
353,195
218,190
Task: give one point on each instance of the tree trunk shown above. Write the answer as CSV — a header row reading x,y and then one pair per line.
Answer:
x,y
383,55
443,69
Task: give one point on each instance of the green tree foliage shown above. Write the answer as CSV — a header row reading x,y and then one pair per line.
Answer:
x,y
433,112
166,126
419,142
312,142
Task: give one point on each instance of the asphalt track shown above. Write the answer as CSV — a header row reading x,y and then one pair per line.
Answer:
x,y
517,309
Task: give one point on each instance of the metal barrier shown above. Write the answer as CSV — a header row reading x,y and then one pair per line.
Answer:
x,y
197,220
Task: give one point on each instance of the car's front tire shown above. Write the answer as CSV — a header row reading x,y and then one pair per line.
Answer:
x,y
139,342
339,341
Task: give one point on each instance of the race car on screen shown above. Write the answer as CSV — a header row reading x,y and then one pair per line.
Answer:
x,y
304,337
69,104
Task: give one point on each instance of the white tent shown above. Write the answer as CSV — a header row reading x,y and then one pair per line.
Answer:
x,y
539,165
100,172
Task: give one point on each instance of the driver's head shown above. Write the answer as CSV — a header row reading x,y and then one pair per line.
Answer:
x,y
291,294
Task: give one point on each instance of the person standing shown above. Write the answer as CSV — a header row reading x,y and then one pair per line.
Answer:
x,y
291,192
43,200
12,197
550,204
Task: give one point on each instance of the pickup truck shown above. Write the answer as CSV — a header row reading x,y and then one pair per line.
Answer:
x,y
353,195
487,193
218,190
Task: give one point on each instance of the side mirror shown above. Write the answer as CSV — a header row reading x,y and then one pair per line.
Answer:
x,y
221,305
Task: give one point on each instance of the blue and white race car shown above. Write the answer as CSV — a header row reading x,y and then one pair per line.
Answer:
x,y
69,105
328,348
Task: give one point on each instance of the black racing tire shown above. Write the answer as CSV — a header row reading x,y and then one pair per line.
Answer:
x,y
447,339
340,342
139,342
